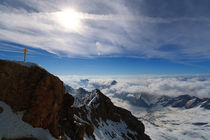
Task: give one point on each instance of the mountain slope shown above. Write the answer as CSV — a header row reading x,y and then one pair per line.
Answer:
x,y
100,111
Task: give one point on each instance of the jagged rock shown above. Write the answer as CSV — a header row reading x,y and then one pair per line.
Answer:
x,y
75,129
105,109
33,90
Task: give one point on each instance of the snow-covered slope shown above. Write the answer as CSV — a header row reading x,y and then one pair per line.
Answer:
x,y
110,130
27,64
172,118
178,124
12,126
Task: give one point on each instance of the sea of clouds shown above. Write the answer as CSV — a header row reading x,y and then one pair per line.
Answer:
x,y
171,85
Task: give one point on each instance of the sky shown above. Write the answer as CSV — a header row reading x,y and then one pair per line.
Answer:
x,y
108,37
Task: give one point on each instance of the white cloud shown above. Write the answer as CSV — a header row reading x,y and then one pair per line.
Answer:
x,y
109,28
171,85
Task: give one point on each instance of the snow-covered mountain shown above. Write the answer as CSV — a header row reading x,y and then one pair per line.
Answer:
x,y
34,104
109,122
153,101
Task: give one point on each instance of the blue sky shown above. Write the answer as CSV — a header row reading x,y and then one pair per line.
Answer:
x,y
108,37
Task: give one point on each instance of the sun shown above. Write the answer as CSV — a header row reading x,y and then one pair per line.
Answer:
x,y
70,19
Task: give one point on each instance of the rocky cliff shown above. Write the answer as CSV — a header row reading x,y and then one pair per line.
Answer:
x,y
46,104
33,90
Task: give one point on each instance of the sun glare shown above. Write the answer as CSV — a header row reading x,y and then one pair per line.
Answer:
x,y
70,19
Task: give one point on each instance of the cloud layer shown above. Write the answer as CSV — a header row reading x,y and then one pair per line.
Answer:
x,y
171,85
138,28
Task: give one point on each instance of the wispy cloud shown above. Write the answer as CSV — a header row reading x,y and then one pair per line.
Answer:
x,y
109,28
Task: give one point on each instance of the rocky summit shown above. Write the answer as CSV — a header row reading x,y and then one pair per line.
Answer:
x,y
32,90
46,104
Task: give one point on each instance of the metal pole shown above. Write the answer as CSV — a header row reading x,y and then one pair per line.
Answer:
x,y
24,57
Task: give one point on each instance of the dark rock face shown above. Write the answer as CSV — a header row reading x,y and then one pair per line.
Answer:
x,y
1,110
107,111
73,128
32,89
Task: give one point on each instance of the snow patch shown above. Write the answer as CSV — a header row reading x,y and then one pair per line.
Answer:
x,y
79,119
27,64
93,100
110,130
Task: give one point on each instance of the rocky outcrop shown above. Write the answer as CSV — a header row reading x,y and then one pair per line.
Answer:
x,y
74,128
107,111
33,90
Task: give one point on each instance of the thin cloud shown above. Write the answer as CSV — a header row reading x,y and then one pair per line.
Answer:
x,y
107,29
5,47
